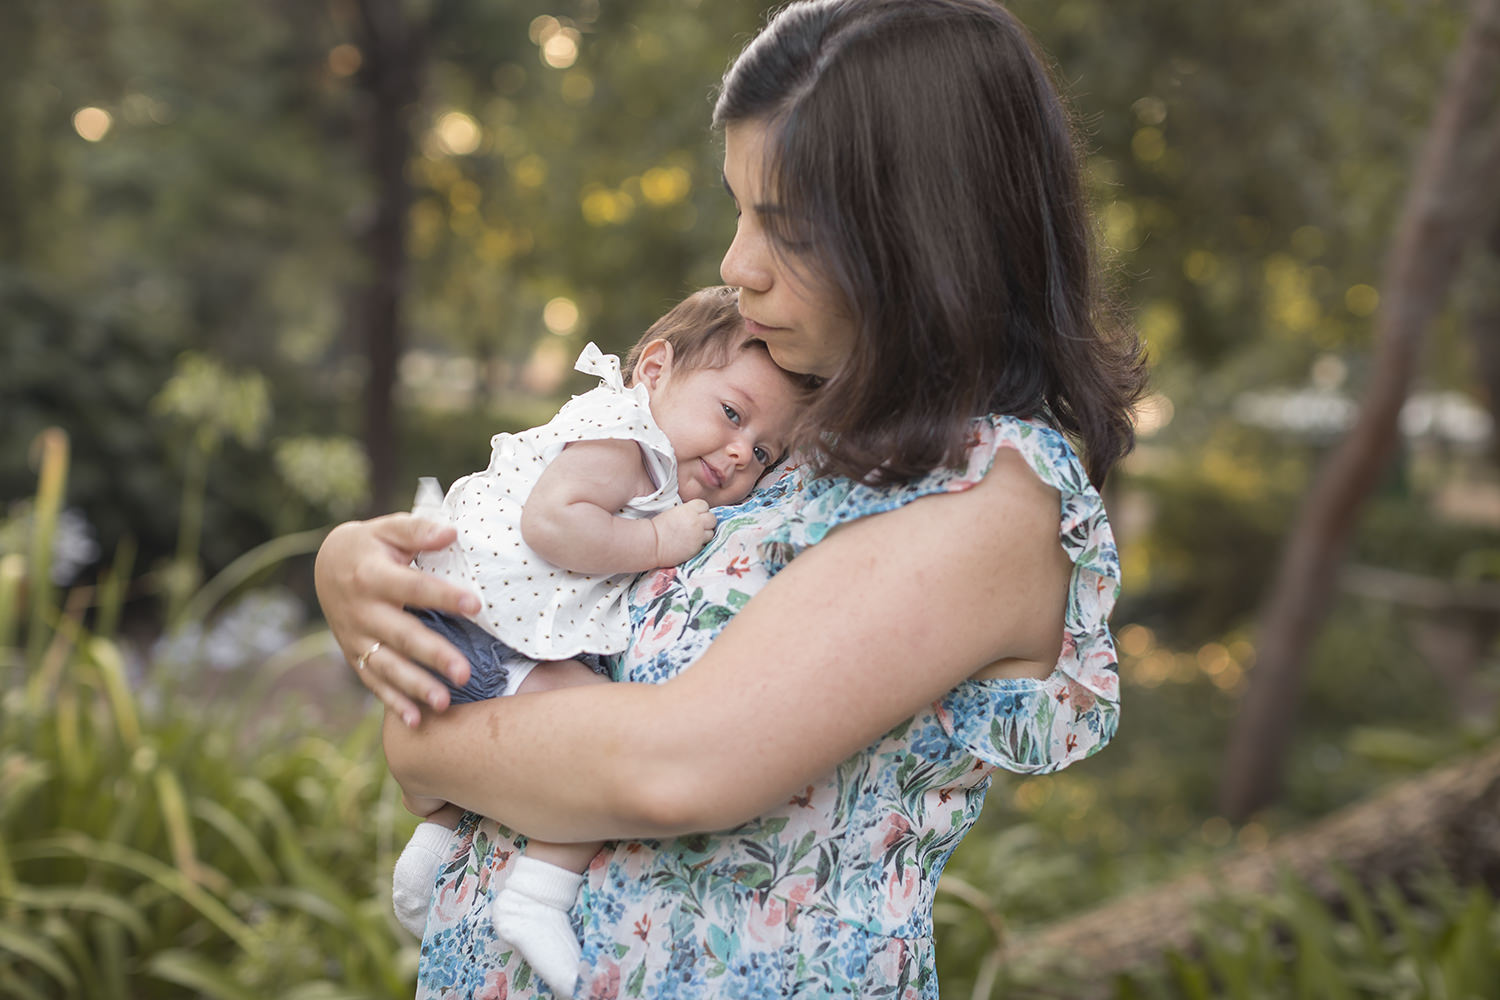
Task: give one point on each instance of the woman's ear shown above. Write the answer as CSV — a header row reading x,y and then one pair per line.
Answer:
x,y
653,365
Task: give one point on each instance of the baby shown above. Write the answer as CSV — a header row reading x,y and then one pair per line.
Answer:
x,y
551,534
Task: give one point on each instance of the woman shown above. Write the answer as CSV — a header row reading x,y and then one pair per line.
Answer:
x,y
931,586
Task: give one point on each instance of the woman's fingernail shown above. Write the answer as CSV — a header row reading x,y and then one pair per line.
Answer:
x,y
434,699
411,719
470,606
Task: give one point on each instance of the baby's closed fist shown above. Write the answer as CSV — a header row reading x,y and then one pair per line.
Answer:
x,y
682,531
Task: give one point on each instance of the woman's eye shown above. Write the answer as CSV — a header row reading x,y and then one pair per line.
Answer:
x,y
731,413
762,456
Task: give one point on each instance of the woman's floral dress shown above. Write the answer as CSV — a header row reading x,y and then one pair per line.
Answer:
x,y
830,895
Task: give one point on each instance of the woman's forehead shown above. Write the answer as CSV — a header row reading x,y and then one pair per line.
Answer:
x,y
746,160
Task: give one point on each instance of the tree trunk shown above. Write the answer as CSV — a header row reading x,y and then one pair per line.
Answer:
x,y
25,145
1484,331
1452,192
393,50
1450,817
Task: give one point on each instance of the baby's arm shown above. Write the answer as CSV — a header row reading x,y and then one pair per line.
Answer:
x,y
570,520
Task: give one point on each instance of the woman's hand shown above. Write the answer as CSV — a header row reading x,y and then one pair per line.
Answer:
x,y
365,582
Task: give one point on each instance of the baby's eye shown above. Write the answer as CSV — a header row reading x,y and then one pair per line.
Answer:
x,y
731,413
762,455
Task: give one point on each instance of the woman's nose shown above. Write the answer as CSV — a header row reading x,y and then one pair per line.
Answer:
x,y
746,263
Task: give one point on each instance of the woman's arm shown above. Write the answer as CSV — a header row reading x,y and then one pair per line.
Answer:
x,y
570,517
882,617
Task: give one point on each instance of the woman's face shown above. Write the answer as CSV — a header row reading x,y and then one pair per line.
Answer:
x,y
798,318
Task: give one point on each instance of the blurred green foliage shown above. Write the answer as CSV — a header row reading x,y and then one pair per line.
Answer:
x,y
157,843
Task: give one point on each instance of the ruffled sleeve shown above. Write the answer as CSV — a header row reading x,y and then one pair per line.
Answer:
x,y
1035,726
1024,725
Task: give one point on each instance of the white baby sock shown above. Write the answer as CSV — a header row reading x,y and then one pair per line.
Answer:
x,y
531,914
415,878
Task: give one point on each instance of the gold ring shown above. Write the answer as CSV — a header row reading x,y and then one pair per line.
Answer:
x,y
364,657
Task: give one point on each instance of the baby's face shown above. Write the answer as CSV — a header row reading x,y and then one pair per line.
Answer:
x,y
727,425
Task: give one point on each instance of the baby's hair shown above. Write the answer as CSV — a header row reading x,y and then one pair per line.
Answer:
x,y
706,332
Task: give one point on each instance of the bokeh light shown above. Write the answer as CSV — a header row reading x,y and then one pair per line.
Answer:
x,y
1120,225
560,315
558,42
1148,145
464,196
665,185
92,123
551,360
345,59
577,87
561,50
1200,266
604,207
1362,300
543,28
1153,413
1150,110
1135,640
457,133
530,171
1216,831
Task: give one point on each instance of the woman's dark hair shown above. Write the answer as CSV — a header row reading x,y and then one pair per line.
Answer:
x,y
924,149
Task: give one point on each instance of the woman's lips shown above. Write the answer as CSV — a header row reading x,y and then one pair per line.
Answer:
x,y
756,329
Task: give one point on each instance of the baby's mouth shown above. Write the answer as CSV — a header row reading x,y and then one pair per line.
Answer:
x,y
711,475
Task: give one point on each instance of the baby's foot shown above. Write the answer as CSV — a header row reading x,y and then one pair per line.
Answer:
x,y
531,915
415,878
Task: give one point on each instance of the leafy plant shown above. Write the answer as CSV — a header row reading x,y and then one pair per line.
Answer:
x,y
154,845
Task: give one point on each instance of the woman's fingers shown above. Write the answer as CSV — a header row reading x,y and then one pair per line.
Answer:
x,y
390,696
365,582
395,671
405,536
411,534
414,643
409,587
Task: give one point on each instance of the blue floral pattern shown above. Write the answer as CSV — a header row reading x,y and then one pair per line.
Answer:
x,y
830,895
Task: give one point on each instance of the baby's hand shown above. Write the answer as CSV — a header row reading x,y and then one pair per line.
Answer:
x,y
682,531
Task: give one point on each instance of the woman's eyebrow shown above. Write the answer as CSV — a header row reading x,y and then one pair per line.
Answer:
x,y
762,207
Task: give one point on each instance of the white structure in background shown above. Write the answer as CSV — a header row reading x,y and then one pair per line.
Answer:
x,y
1323,411
1446,433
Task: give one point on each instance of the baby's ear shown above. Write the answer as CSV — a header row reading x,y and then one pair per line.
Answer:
x,y
653,365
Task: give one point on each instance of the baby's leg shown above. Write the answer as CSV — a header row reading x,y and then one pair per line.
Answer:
x,y
531,911
554,676
415,876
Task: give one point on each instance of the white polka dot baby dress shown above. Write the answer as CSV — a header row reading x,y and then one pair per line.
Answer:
x,y
542,610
